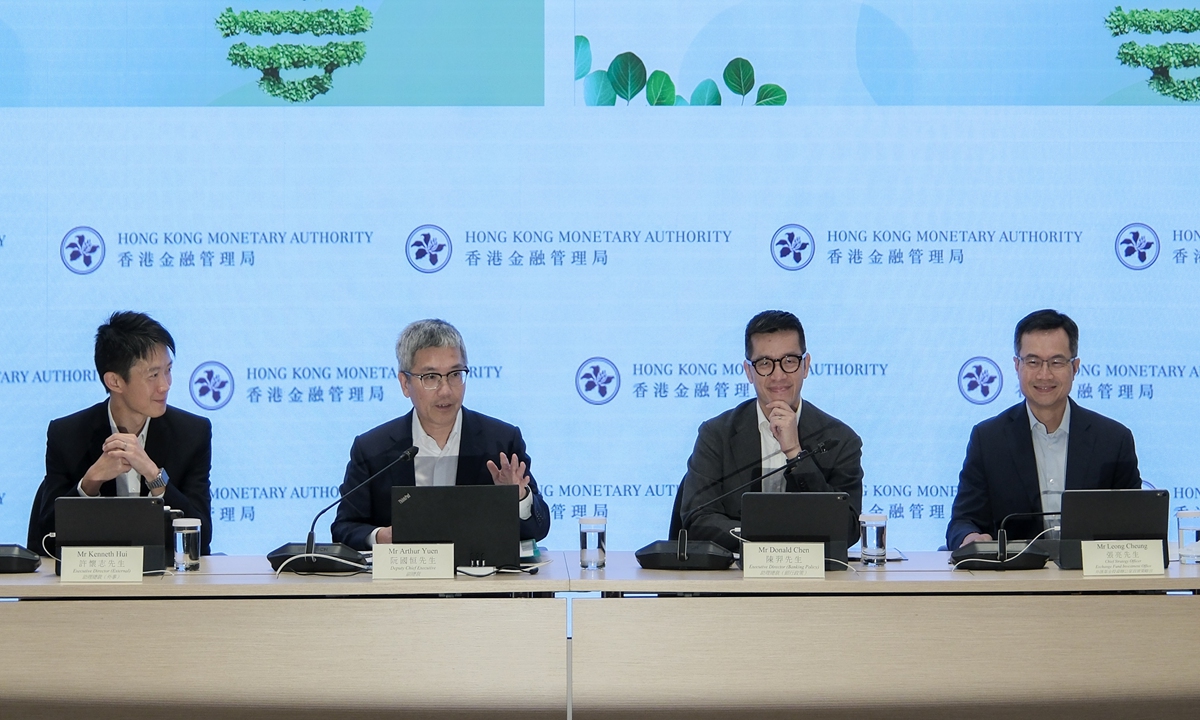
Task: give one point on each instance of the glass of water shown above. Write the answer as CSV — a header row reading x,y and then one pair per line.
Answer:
x,y
1189,536
187,544
592,540
872,538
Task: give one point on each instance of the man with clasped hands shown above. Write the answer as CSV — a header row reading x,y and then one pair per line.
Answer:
x,y
457,446
763,433
133,443
1021,460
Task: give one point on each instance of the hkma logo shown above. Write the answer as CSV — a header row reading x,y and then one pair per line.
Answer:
x,y
82,250
428,248
597,381
793,247
211,385
1137,246
980,380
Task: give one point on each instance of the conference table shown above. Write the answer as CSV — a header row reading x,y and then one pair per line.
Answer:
x,y
912,639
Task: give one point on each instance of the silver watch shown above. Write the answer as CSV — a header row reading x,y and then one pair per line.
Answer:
x,y
158,481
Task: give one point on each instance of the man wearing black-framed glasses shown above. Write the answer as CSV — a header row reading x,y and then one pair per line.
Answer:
x,y
1022,460
763,433
457,446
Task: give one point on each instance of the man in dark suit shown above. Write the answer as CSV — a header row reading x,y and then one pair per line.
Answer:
x,y
1021,460
133,444
457,446
763,434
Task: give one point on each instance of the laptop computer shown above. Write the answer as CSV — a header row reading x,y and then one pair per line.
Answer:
x,y
114,522
1111,515
799,517
481,521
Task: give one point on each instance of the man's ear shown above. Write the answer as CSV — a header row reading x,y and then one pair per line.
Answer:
x,y
114,382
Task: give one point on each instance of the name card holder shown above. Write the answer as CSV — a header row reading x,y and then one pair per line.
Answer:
x,y
1109,558
101,564
413,561
783,560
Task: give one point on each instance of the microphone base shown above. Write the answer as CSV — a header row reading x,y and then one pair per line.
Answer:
x,y
701,555
984,555
346,558
16,559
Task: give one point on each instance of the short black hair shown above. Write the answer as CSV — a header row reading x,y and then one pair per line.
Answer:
x,y
126,338
773,321
1042,320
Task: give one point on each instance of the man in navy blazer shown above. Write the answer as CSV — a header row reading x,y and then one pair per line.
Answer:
x,y
457,446
133,443
1021,460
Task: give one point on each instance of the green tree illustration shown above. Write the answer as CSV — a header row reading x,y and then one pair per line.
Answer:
x,y
1161,59
271,60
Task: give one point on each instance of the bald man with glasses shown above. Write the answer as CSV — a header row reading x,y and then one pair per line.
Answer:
x,y
457,446
763,433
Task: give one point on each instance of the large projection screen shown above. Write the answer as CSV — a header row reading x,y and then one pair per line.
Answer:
x,y
556,179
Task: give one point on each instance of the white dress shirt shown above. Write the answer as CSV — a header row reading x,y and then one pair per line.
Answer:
x,y
129,483
772,454
1050,451
436,465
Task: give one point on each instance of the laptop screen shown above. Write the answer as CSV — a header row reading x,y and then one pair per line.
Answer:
x,y
481,521
799,517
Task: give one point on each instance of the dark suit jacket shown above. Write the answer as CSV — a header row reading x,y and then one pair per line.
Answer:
x,y
483,439
1000,476
179,442
728,454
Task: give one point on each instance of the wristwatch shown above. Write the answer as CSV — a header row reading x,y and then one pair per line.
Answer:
x,y
158,481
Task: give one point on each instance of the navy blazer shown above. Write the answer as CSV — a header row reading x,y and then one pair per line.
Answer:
x,y
179,442
1000,476
483,438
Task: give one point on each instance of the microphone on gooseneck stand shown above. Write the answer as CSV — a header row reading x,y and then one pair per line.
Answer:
x,y
1002,534
334,557
684,554
994,554
818,449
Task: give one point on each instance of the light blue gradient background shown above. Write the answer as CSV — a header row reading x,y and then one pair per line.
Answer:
x,y
828,166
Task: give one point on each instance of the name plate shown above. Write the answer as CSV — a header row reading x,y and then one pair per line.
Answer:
x,y
413,561
783,560
101,564
1106,558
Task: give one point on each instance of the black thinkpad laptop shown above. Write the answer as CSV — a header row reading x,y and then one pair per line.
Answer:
x,y
481,521
1111,515
114,522
799,517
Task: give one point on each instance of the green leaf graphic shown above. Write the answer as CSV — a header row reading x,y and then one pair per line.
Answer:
x,y
706,93
627,73
680,101
583,56
739,77
659,89
597,90
770,94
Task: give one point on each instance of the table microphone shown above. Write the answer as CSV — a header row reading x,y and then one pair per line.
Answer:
x,y
818,449
978,555
1002,534
344,557
682,554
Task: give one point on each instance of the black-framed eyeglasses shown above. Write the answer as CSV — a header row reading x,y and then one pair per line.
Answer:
x,y
1056,363
764,366
433,381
